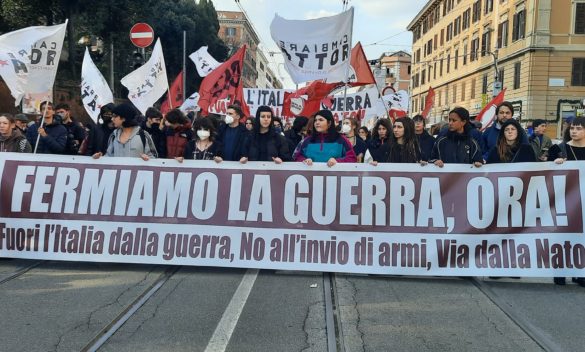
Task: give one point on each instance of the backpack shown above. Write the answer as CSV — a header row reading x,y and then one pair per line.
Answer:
x,y
142,134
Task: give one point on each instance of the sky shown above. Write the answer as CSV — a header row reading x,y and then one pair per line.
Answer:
x,y
380,25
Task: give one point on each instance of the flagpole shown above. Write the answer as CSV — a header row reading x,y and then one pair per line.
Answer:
x,y
184,83
41,126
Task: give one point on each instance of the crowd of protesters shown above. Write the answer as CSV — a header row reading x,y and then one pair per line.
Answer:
x,y
122,131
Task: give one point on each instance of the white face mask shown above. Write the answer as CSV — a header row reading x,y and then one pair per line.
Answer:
x,y
229,119
345,129
203,134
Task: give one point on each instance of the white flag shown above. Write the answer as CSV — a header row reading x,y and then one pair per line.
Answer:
x,y
95,91
204,62
397,101
149,82
29,58
190,104
315,49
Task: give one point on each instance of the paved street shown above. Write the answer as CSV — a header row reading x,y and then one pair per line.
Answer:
x,y
63,306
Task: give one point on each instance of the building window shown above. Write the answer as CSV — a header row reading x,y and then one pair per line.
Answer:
x,y
435,70
435,42
517,67
442,36
489,6
486,40
503,34
476,11
501,75
519,29
462,91
408,69
441,68
448,63
230,32
423,77
474,49
466,18
465,53
454,93
262,66
484,84
430,47
417,60
580,18
578,76
449,31
457,26
472,95
456,58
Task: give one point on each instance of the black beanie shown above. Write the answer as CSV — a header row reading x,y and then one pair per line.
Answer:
x,y
328,115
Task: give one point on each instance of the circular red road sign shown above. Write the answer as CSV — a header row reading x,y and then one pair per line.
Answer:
x,y
141,35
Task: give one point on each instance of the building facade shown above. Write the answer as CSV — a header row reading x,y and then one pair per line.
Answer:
x,y
266,78
467,50
396,67
235,30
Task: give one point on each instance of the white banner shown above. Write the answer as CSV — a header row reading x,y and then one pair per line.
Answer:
x,y
255,97
190,104
397,101
315,49
204,62
29,59
361,105
498,220
95,91
149,82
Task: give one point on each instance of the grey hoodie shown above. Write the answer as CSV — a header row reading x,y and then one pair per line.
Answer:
x,y
133,147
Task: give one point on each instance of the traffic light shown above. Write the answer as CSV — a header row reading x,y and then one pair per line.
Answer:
x,y
137,59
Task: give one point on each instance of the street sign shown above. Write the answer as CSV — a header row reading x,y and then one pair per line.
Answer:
x,y
141,35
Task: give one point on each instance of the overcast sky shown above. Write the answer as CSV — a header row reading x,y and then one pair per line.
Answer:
x,y
380,25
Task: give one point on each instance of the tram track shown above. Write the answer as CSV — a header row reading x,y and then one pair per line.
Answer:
x,y
536,334
109,330
21,271
332,314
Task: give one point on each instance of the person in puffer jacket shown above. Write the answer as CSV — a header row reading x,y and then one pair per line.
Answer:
x,y
457,146
178,133
325,144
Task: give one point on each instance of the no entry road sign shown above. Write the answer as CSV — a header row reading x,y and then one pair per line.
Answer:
x,y
141,35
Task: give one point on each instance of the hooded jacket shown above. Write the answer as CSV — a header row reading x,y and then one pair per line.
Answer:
x,y
457,148
133,146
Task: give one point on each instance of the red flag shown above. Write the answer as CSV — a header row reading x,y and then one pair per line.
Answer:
x,y
362,74
429,102
175,96
225,82
487,115
307,100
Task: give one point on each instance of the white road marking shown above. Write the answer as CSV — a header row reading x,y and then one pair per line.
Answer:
x,y
141,35
225,327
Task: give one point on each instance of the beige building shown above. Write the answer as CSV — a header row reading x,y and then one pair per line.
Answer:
x,y
235,30
536,50
396,67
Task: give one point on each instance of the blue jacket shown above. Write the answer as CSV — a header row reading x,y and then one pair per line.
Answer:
x,y
53,143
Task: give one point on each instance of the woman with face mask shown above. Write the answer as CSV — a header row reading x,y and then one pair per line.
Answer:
x,y
264,143
203,146
350,129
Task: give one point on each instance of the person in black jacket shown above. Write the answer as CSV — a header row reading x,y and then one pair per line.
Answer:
x,y
53,135
509,147
264,143
295,135
153,124
457,146
380,139
425,140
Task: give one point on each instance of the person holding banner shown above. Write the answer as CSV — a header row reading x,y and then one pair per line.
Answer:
x,y
265,143
53,135
457,146
203,146
425,140
404,147
232,134
11,140
350,130
377,151
509,147
128,140
325,144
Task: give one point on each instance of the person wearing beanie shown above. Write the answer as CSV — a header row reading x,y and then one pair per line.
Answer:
x,y
264,143
457,146
509,147
325,144
128,140
295,135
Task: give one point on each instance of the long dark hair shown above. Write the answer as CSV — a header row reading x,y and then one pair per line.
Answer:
x,y
410,149
263,108
206,124
505,150
384,122
332,134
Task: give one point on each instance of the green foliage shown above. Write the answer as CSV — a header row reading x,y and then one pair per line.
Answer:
x,y
111,20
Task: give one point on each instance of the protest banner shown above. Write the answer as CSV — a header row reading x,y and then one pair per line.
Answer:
x,y
95,91
513,220
204,62
315,49
149,82
362,105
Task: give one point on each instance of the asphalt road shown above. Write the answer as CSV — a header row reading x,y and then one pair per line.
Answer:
x,y
66,306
